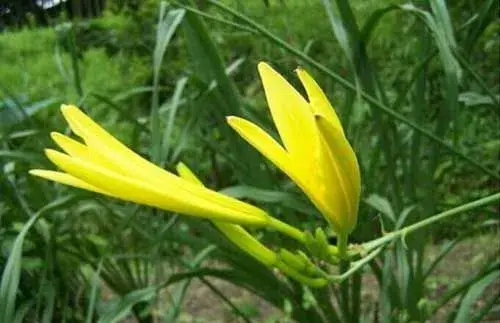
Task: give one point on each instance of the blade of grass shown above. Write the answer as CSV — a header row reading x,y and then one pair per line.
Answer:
x,y
173,106
12,270
225,100
465,308
119,308
94,288
168,21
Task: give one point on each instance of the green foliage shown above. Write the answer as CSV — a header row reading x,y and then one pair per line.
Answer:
x,y
416,87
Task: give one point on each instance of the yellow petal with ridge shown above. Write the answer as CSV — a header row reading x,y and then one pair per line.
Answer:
x,y
268,147
66,179
130,163
291,114
137,191
318,101
79,150
340,155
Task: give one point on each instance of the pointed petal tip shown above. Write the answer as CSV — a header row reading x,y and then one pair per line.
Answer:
x,y
68,110
43,173
265,70
35,172
233,120
48,151
56,135
300,70
263,65
67,107
180,167
54,154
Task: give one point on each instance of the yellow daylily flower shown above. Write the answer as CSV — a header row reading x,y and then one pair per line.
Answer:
x,y
104,165
315,153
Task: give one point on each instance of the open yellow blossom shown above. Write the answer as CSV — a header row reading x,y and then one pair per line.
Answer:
x,y
315,153
104,165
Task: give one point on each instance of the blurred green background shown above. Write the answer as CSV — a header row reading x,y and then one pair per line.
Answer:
x,y
416,86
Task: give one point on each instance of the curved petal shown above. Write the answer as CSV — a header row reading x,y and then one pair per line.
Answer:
x,y
128,162
272,150
133,190
67,179
291,113
79,150
341,157
317,99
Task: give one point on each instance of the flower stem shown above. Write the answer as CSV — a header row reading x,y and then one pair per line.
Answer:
x,y
287,229
342,240
431,220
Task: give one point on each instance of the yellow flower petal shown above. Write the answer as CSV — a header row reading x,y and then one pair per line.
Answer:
x,y
187,174
66,179
118,157
346,169
79,150
317,99
290,112
264,143
137,191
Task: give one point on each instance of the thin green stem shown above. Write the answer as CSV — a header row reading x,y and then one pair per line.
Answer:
x,y
342,245
357,265
478,79
356,297
74,61
351,87
431,220
344,268
217,19
287,229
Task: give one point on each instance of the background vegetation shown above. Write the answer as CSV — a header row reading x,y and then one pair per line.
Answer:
x,y
416,86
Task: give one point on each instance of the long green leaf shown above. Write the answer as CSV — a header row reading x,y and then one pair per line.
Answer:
x,y
118,309
11,275
225,100
168,22
465,310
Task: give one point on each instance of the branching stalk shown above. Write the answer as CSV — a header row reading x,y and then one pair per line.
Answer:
x,y
431,220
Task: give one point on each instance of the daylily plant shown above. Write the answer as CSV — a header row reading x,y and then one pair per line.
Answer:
x,y
315,154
